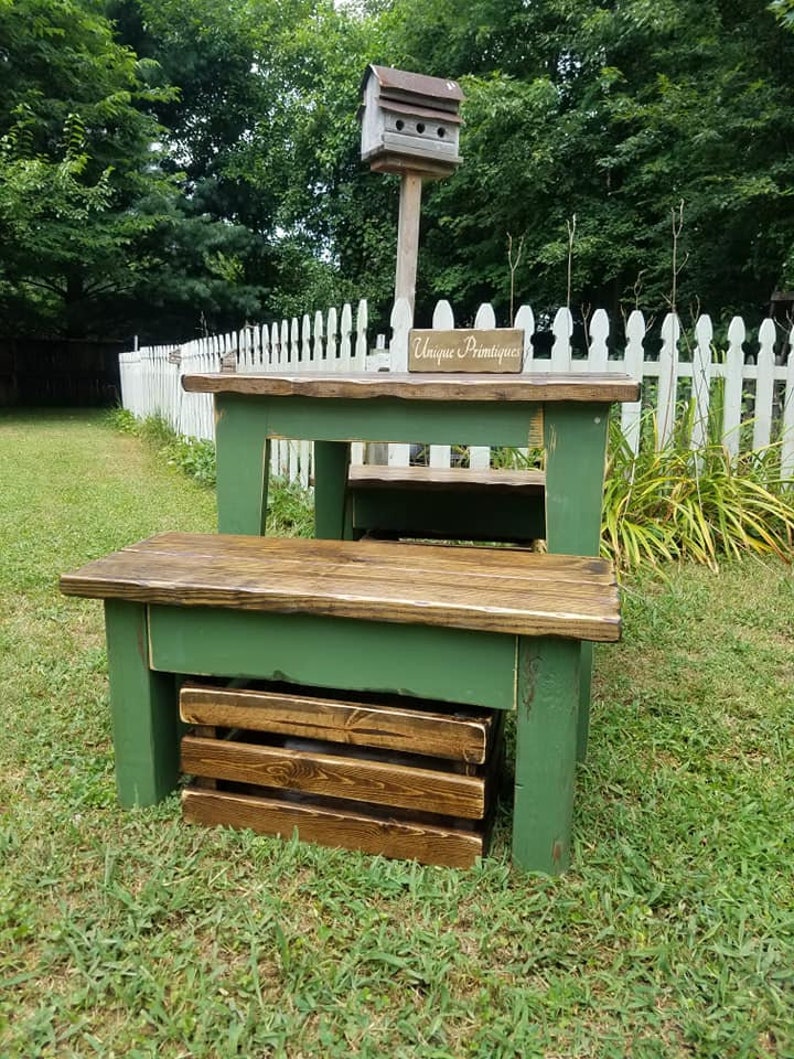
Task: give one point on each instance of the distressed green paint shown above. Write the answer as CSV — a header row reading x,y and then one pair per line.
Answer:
x,y
242,456
332,518
143,709
546,738
575,441
453,665
381,419
473,515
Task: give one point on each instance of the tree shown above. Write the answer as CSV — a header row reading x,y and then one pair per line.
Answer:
x,y
614,112
79,180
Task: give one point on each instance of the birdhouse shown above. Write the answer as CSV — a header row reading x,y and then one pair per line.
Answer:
x,y
410,122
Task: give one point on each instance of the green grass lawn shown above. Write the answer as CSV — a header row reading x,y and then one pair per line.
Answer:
x,y
131,934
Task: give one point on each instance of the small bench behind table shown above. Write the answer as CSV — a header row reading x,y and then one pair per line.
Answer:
x,y
491,628
450,503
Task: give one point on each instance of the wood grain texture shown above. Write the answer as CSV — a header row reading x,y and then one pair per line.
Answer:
x,y
492,590
459,737
356,779
446,479
430,387
426,843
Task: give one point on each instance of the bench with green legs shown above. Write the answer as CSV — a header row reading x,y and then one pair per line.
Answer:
x,y
476,628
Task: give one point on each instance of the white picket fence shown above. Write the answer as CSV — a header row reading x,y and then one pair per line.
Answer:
x,y
757,400
335,341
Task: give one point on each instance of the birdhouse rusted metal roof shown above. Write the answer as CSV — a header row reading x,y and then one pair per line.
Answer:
x,y
439,92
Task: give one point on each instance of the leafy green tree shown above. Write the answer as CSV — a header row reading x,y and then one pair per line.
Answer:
x,y
79,181
264,138
616,113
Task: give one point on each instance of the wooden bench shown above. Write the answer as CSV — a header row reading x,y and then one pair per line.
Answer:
x,y
449,503
493,629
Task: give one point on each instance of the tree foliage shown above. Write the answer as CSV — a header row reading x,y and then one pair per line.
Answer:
x,y
169,165
76,165
615,113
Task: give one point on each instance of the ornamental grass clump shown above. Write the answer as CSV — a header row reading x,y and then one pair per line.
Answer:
x,y
671,502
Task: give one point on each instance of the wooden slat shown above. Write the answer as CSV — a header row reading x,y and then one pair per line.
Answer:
x,y
413,559
428,844
354,779
430,387
206,731
519,593
417,731
446,479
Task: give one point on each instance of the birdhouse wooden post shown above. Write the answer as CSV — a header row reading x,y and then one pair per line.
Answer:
x,y
410,124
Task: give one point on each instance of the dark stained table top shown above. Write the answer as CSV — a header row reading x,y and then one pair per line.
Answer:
x,y
584,388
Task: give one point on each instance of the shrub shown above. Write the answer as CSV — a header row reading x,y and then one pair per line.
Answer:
x,y
675,503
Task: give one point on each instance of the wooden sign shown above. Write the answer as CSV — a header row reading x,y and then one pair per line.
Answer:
x,y
501,350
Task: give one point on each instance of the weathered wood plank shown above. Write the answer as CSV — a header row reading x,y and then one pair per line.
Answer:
x,y
362,580
520,564
425,843
206,731
355,779
429,387
461,737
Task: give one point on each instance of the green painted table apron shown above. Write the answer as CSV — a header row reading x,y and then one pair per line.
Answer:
x,y
438,409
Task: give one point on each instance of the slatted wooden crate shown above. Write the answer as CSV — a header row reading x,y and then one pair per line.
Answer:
x,y
383,777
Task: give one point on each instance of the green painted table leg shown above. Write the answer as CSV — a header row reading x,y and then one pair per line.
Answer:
x,y
576,440
243,460
546,732
144,711
332,513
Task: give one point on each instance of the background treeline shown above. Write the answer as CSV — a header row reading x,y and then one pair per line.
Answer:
x,y
169,167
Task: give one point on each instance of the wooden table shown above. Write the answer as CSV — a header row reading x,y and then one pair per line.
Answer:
x,y
568,412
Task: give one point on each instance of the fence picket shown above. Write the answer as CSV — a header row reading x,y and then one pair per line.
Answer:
x,y
443,320
294,347
485,318
732,392
598,354
306,342
318,342
525,321
480,455
764,384
345,327
361,346
562,329
701,380
443,317
633,357
668,378
787,445
330,341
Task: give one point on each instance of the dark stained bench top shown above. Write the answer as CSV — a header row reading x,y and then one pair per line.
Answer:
x,y
446,479
497,590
